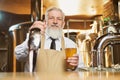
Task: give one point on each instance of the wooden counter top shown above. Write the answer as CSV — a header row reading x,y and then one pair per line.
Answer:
x,y
61,76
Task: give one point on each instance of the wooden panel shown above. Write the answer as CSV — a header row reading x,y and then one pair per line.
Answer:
x,y
80,25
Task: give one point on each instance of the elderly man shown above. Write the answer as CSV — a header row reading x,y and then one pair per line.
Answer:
x,y
51,28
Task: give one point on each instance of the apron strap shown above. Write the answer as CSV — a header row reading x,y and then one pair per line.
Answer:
x,y
63,44
42,41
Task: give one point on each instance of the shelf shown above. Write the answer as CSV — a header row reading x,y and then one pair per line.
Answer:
x,y
3,49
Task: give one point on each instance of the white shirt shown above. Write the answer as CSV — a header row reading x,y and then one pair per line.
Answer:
x,y
22,49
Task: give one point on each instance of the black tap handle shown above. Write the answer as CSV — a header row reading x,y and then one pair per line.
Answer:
x,y
32,33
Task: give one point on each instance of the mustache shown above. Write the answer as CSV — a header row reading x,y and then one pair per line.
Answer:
x,y
55,25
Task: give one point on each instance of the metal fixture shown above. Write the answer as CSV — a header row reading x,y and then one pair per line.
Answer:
x,y
102,43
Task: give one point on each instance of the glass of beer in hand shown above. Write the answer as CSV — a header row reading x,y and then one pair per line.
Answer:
x,y
69,53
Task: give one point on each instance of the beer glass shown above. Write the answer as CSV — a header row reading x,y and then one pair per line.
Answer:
x,y
69,53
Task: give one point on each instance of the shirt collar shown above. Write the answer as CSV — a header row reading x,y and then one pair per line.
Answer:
x,y
48,37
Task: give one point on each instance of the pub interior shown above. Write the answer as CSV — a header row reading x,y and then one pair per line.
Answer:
x,y
92,24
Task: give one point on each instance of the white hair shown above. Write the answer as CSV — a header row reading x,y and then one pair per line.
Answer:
x,y
52,9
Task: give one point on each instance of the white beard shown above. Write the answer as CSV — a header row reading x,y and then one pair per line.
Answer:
x,y
54,33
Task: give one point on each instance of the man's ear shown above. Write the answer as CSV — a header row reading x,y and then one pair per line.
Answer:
x,y
63,24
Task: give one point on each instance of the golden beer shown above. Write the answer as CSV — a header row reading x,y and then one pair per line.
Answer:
x,y
69,53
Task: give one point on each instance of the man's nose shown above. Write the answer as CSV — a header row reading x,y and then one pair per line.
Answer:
x,y
55,21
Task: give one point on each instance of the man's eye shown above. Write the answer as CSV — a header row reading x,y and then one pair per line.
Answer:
x,y
59,18
51,18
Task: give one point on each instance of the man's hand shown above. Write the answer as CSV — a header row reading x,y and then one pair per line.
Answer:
x,y
73,61
39,24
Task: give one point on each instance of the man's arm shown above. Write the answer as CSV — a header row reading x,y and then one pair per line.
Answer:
x,y
21,50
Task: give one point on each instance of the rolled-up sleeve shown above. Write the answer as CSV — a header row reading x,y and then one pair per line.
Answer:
x,y
21,51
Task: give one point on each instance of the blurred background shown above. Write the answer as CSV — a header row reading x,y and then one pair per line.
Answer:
x,y
85,20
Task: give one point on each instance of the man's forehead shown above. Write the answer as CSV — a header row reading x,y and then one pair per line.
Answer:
x,y
55,13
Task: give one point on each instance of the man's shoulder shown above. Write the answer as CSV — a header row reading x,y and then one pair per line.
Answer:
x,y
68,39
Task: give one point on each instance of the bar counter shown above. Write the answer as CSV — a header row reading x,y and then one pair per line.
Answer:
x,y
78,75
